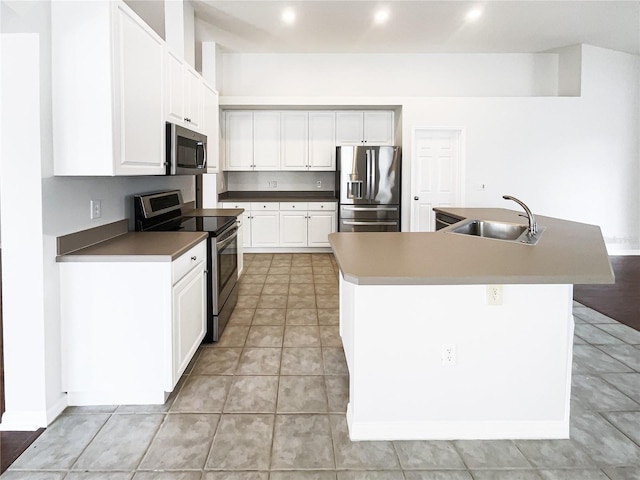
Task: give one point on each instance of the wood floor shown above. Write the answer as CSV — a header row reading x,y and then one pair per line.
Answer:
x,y
620,301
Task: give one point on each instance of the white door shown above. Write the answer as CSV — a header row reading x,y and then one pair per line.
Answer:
x,y
436,175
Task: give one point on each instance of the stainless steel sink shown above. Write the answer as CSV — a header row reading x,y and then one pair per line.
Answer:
x,y
510,232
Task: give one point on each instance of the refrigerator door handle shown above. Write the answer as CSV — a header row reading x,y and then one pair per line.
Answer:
x,y
371,209
373,175
368,160
349,222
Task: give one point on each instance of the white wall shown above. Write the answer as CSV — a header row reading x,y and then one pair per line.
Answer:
x,y
52,206
482,75
573,157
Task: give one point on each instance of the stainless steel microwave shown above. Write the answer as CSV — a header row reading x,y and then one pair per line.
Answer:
x,y
186,151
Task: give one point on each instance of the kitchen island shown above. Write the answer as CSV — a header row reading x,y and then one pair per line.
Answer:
x,y
450,336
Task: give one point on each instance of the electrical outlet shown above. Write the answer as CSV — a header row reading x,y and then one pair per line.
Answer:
x,y
449,354
494,294
273,184
319,184
95,209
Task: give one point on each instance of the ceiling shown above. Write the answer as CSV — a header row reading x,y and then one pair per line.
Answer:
x,y
331,26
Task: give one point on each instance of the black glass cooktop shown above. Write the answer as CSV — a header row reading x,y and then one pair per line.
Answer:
x,y
214,225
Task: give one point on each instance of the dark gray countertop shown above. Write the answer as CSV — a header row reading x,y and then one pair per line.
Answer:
x,y
278,196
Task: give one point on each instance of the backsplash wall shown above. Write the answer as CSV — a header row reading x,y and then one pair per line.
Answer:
x,y
284,181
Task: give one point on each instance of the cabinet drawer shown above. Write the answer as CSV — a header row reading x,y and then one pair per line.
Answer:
x,y
188,260
322,206
261,206
245,205
293,205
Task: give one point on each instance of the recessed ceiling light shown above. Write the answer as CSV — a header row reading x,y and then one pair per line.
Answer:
x,y
288,16
474,14
381,16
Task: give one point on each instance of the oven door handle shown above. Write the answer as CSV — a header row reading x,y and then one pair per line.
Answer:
x,y
223,243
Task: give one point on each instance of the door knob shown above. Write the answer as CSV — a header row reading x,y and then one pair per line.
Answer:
x,y
416,198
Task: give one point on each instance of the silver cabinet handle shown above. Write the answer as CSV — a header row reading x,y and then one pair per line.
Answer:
x,y
416,198
193,259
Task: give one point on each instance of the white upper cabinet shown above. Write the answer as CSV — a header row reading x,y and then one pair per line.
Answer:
x,y
239,140
378,127
364,128
183,94
210,127
322,141
295,140
252,140
289,140
175,89
108,91
193,100
266,140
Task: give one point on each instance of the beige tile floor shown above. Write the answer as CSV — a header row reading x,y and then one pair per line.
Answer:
x,y
267,402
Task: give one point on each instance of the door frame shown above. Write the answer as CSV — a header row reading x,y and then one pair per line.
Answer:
x,y
459,167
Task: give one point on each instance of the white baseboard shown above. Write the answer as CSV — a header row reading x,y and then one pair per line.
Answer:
x,y
29,421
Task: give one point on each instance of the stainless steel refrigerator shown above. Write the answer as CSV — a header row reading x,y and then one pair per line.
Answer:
x,y
368,182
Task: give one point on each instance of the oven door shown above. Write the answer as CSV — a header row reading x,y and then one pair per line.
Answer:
x,y
225,266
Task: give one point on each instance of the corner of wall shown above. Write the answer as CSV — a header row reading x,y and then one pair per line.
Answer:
x,y
569,70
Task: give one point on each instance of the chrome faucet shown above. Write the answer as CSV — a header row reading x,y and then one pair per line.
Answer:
x,y
533,226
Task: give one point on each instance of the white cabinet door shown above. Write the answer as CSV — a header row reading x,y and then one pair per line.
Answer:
x,y
107,74
295,141
320,225
378,127
193,96
293,229
266,140
175,89
246,225
139,70
349,128
239,140
322,140
265,228
241,230
210,127
369,128
189,314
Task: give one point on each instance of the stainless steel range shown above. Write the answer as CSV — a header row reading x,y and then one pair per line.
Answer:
x,y
162,211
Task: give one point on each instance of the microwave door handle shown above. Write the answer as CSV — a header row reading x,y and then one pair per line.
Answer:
x,y
203,147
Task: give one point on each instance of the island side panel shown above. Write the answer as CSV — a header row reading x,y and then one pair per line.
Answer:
x,y
512,375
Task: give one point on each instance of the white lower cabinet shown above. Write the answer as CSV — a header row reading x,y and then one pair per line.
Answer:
x,y
189,297
130,328
319,225
265,225
286,225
